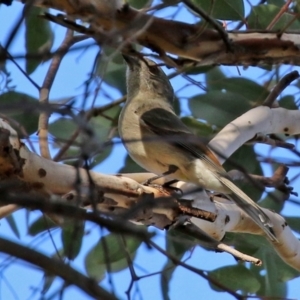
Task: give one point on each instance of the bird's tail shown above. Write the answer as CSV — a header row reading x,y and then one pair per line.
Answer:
x,y
251,208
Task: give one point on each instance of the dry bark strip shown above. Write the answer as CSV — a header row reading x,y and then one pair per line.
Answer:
x,y
111,20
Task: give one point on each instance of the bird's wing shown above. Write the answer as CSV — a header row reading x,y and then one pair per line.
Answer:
x,y
167,125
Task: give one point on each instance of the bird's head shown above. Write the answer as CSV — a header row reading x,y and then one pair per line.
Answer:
x,y
145,77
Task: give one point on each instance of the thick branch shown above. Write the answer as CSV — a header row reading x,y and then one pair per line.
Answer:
x,y
124,192
168,36
259,120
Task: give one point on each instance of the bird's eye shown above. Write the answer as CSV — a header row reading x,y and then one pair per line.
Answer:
x,y
154,70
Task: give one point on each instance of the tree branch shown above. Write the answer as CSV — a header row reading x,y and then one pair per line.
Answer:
x,y
168,36
121,192
71,276
284,82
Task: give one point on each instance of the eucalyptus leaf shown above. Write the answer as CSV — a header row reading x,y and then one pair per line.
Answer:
x,y
288,102
131,166
249,89
62,129
39,37
72,236
176,244
232,10
110,254
213,77
21,108
103,154
245,157
13,225
111,68
262,15
138,4
218,107
236,277
277,271
48,276
274,201
41,224
199,128
101,126
273,282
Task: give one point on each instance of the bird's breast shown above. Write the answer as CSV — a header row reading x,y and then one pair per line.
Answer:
x,y
146,148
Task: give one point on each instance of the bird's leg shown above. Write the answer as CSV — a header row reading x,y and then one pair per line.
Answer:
x,y
172,169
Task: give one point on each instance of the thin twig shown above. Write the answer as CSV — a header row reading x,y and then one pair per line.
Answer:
x,y
281,85
208,241
223,34
196,271
56,267
45,90
283,9
94,112
114,224
264,139
7,210
16,28
239,255
10,57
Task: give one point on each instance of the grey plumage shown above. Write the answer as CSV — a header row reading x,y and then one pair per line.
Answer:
x,y
158,140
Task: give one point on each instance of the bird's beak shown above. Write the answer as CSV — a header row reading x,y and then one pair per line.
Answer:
x,y
131,61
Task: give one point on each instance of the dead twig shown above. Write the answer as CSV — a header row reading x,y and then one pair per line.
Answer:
x,y
281,85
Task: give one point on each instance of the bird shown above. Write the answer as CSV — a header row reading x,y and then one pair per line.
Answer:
x,y
157,140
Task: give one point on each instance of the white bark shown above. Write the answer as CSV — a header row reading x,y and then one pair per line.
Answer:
x,y
60,179
263,120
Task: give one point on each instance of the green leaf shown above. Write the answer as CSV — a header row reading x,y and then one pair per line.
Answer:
x,y
245,242
103,123
218,108
71,236
40,225
111,68
262,15
214,76
21,108
277,271
288,102
279,3
138,4
271,203
294,223
245,157
63,128
199,128
236,278
48,276
198,70
176,244
39,37
13,225
131,166
110,254
227,98
99,158
232,10
48,280
247,88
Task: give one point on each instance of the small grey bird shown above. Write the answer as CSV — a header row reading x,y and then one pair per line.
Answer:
x,y
161,143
